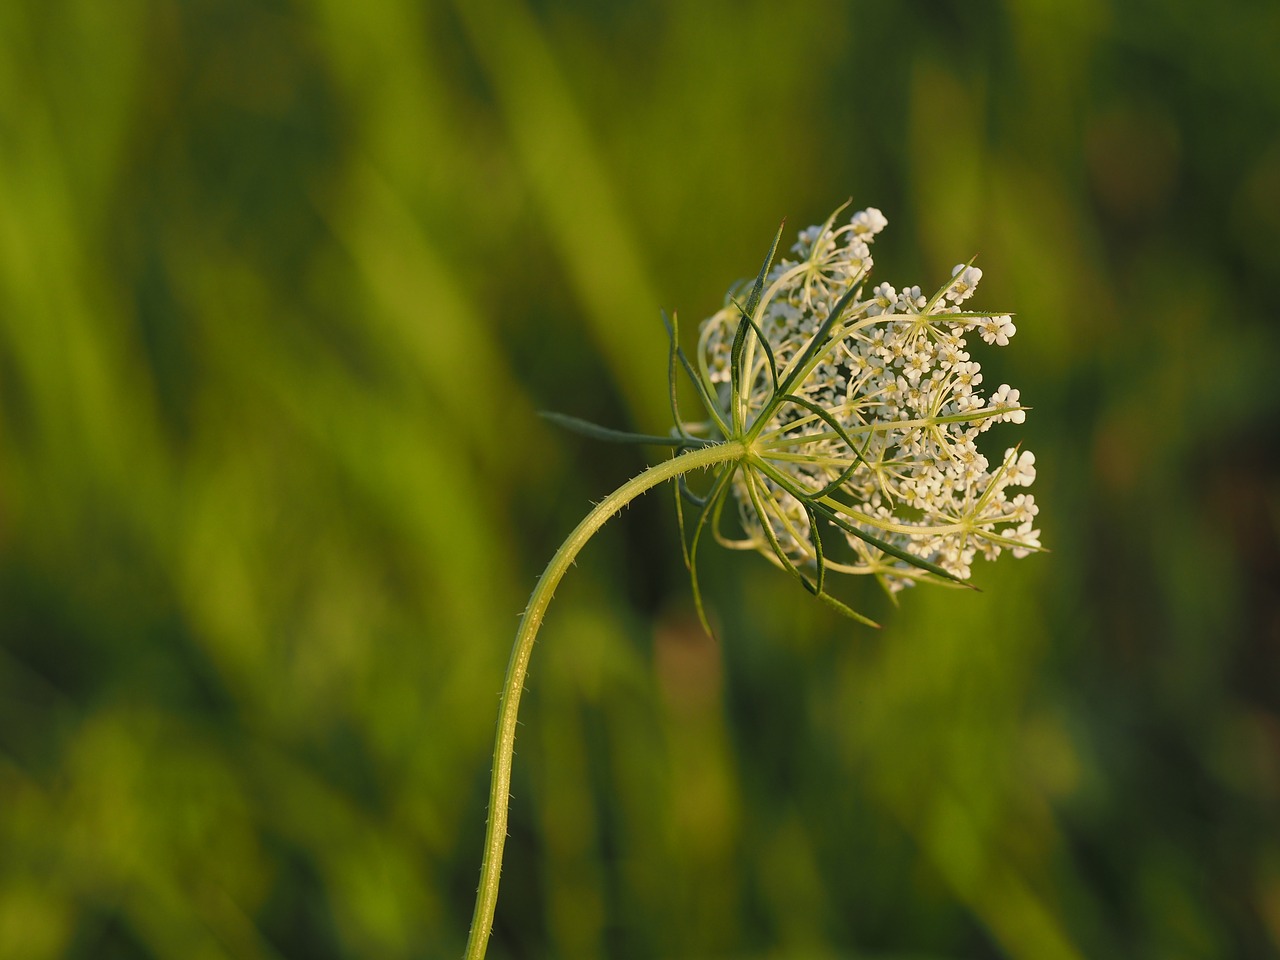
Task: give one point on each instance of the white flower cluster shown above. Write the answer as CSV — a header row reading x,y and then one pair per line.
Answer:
x,y
877,422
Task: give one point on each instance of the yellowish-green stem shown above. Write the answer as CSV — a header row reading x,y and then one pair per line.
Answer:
x,y
513,686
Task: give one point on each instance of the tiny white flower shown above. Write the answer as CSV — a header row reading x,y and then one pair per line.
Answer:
x,y
807,238
1027,537
1023,507
919,362
882,300
997,330
1022,467
1006,398
964,282
967,377
867,223
911,300
780,318
858,256
951,353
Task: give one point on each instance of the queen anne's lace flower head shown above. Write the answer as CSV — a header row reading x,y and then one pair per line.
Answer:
x,y
866,422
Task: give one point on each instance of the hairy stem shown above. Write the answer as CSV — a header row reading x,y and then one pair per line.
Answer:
x,y
513,686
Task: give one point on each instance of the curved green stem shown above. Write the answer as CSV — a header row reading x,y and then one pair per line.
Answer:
x,y
513,686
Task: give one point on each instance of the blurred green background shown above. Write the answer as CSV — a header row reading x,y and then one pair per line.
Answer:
x,y
282,287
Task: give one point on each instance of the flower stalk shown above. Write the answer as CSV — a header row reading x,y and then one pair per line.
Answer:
x,y
701,457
